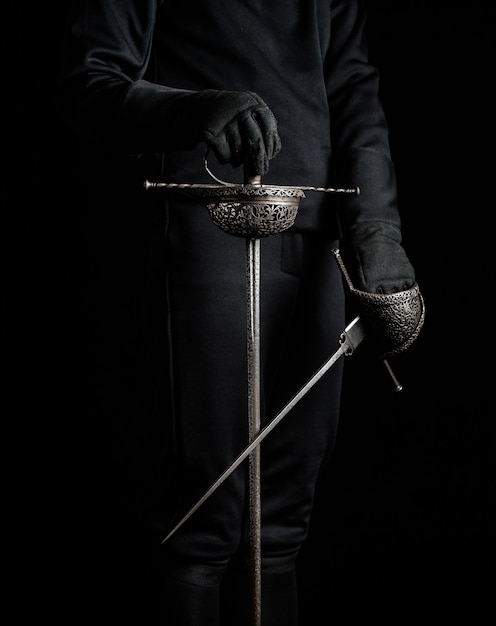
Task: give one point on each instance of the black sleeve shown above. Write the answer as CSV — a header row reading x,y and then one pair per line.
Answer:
x,y
103,93
360,135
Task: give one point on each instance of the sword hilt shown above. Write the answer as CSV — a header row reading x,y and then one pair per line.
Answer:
x,y
337,255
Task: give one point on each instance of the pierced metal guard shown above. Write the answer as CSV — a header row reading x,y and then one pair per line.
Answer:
x,y
251,209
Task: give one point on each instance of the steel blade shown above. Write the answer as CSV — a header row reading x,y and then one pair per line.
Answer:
x,y
349,340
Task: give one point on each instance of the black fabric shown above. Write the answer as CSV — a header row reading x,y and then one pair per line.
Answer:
x,y
238,127
371,225
207,322
138,87
185,604
127,64
278,597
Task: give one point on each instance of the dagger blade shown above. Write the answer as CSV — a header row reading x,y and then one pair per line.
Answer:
x,y
349,340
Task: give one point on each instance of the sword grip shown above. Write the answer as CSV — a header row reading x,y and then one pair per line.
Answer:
x,y
249,176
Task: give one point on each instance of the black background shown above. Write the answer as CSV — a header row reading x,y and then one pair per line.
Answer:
x,y
404,518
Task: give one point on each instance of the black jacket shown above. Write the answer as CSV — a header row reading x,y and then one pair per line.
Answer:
x,y
126,64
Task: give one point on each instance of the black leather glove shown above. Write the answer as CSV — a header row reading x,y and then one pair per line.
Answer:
x,y
237,126
371,228
379,273
376,260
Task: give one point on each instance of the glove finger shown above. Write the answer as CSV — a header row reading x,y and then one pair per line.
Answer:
x,y
250,136
386,268
221,147
230,147
267,124
239,147
378,262
253,139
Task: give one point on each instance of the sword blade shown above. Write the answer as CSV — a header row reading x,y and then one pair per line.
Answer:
x,y
349,340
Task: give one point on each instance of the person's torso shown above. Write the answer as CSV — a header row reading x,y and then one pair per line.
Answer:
x,y
273,48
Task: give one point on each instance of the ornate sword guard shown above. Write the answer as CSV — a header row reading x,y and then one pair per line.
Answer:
x,y
251,209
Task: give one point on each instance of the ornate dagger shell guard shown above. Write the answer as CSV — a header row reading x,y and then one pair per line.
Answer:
x,y
396,319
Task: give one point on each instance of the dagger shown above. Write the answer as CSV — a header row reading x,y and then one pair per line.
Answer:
x,y
349,340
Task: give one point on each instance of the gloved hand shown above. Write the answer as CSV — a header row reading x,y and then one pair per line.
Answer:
x,y
394,320
375,258
237,126
379,273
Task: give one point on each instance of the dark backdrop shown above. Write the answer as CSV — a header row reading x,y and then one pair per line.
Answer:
x,y
405,512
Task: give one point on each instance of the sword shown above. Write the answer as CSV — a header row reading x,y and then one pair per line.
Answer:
x,y
349,340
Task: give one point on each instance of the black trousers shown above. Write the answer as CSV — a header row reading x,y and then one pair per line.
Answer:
x,y
302,315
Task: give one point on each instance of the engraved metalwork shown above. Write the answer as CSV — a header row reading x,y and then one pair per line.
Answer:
x,y
253,210
395,318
